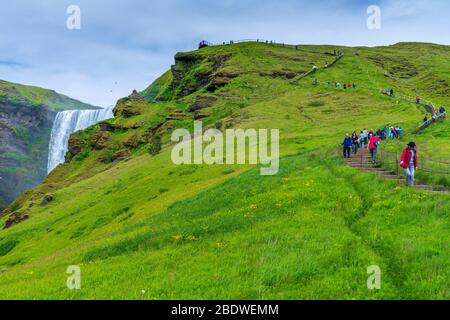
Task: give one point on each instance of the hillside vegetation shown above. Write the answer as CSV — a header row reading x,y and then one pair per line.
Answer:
x,y
141,227
22,95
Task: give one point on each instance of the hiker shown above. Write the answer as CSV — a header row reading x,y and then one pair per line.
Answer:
x,y
345,86
348,143
374,142
378,133
409,162
366,137
355,141
434,117
418,100
395,133
383,133
425,121
362,138
391,133
338,85
354,86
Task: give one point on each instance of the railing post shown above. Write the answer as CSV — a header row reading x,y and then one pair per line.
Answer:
x,y
397,163
362,158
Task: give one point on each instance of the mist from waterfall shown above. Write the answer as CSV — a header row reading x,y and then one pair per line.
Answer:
x,y
66,123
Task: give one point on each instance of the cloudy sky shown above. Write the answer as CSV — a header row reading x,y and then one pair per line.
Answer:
x,y
125,44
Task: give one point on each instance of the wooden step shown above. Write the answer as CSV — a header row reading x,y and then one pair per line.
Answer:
x,y
370,167
381,171
424,186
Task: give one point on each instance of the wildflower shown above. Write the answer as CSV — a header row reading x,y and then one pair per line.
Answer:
x,y
177,237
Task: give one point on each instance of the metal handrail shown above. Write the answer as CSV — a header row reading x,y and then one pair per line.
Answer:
x,y
248,40
386,157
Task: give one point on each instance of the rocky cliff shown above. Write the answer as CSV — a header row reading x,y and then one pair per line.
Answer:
x,y
24,135
26,119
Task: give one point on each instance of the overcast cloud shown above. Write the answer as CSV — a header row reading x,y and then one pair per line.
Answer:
x,y
125,44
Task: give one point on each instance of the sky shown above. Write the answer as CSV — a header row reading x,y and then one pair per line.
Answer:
x,y
126,44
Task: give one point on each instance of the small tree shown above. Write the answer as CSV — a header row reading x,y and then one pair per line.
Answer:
x,y
155,145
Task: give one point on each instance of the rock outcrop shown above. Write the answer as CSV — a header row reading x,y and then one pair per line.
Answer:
x,y
24,135
26,119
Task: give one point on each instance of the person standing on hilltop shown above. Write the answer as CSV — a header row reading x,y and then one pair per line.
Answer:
x,y
374,142
348,144
409,161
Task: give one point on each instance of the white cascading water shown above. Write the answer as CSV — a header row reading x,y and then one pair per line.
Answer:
x,y
66,123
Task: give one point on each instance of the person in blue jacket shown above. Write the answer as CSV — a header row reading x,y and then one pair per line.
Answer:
x,y
348,144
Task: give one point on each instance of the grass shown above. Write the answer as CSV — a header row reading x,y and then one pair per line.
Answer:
x,y
18,94
143,228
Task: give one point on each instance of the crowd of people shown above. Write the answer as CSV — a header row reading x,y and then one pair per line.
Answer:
x,y
345,86
369,139
409,160
435,116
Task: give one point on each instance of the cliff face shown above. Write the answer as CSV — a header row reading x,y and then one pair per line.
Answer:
x,y
26,118
24,136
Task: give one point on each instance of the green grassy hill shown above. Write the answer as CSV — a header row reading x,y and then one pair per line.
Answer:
x,y
140,227
19,94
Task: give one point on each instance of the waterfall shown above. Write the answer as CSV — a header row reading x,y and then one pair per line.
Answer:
x,y
66,123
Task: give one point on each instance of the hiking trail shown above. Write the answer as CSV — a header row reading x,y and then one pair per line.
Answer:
x,y
363,161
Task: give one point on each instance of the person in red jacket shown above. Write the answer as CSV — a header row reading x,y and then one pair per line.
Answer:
x,y
409,162
373,146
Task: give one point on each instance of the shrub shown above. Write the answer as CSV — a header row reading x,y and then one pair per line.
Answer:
x,y
7,247
155,145
316,103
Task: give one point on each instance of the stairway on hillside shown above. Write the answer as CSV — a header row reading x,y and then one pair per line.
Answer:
x,y
429,106
363,161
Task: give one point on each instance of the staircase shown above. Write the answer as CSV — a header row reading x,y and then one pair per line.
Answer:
x,y
429,106
363,161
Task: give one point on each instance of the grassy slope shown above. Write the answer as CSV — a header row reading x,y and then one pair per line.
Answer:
x,y
220,232
36,97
